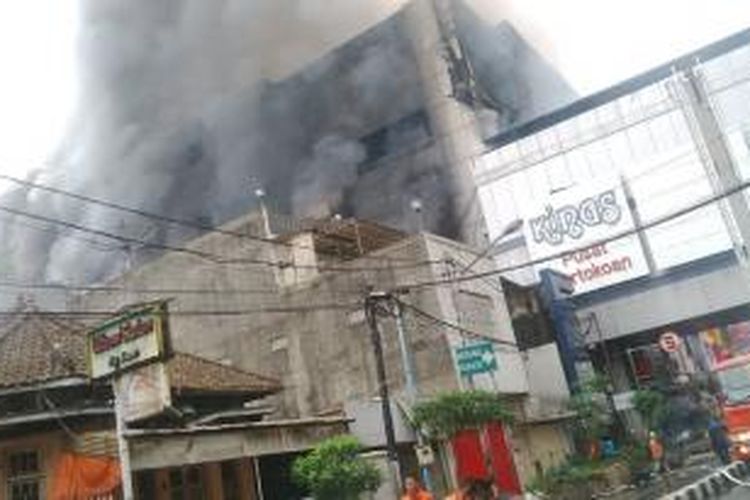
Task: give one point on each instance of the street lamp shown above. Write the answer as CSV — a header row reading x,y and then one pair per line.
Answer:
x,y
509,229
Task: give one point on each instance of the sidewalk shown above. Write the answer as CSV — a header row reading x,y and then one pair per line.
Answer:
x,y
697,467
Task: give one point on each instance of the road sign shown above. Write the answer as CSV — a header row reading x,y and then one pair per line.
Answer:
x,y
476,358
669,342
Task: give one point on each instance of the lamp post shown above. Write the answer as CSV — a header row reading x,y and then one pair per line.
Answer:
x,y
509,229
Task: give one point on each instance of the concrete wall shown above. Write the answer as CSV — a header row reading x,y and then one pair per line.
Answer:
x,y
322,356
510,376
540,445
650,304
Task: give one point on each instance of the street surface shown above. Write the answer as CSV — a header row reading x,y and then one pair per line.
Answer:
x,y
738,493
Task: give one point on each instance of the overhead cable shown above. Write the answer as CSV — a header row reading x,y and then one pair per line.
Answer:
x,y
617,236
216,259
168,219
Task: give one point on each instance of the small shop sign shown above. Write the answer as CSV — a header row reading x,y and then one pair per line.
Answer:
x,y
136,337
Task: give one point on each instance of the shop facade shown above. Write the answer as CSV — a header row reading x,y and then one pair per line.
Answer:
x,y
639,195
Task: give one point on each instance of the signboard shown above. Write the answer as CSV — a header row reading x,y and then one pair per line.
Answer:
x,y
723,344
143,392
571,222
425,455
669,342
129,340
476,358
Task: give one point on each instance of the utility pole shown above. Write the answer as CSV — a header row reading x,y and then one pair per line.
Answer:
x,y
410,379
121,427
122,446
371,311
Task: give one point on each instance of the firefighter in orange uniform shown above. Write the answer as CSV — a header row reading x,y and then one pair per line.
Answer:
x,y
414,490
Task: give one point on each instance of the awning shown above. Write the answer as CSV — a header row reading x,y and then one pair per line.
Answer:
x,y
158,448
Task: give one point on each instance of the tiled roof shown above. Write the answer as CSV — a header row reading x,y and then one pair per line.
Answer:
x,y
37,348
192,373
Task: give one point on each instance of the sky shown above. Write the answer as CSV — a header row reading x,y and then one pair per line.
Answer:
x,y
594,43
37,88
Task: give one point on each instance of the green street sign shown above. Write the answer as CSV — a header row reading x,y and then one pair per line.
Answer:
x,y
476,358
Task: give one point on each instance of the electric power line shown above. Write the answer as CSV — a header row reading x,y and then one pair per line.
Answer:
x,y
455,279
454,326
191,313
216,259
167,219
98,245
61,287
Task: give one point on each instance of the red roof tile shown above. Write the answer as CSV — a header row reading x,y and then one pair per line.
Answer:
x,y
37,348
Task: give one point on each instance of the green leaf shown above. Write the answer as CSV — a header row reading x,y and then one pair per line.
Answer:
x,y
334,470
452,412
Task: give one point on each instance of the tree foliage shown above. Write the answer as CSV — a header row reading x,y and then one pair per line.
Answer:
x,y
334,470
452,412
589,403
652,406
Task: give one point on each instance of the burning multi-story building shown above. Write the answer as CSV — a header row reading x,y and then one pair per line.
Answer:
x,y
179,117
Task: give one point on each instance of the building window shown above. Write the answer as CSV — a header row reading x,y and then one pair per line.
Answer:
x,y
25,477
396,137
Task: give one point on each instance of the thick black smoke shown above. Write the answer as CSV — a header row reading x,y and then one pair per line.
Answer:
x,y
178,115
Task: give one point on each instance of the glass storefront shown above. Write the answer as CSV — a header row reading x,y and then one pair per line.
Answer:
x,y
645,139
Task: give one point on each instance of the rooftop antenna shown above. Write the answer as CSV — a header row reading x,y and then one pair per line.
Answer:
x,y
416,206
260,195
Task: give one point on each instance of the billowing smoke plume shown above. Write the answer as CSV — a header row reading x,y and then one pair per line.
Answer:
x,y
186,104
178,114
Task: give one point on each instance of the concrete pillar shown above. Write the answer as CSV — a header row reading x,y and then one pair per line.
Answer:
x,y
429,24
213,484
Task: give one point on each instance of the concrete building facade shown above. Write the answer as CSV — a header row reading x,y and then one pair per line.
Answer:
x,y
304,323
670,149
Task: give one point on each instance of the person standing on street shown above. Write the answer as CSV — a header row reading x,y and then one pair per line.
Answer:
x,y
414,491
656,451
719,441
465,491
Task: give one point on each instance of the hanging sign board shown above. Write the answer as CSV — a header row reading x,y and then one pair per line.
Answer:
x,y
143,392
571,224
138,336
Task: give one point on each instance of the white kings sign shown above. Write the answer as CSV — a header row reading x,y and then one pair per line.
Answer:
x,y
572,223
127,341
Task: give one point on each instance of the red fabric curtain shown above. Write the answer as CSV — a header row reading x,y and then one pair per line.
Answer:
x,y
502,458
79,477
470,461
468,452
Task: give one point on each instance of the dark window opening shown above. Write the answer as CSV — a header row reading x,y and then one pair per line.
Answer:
x,y
25,477
394,138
